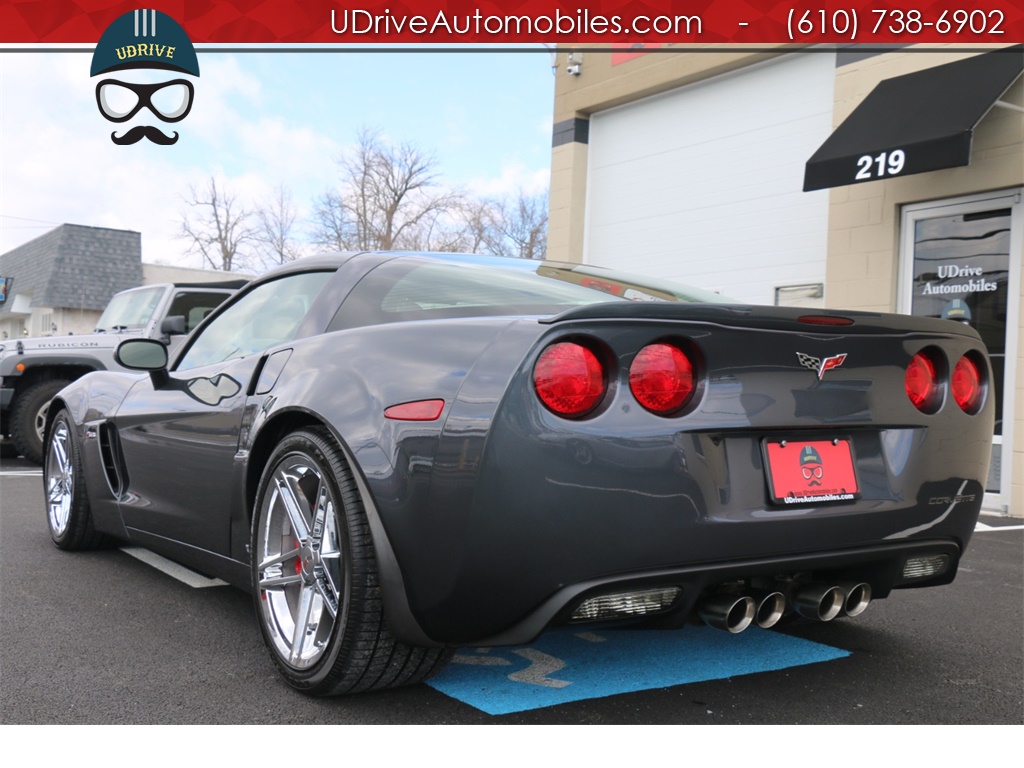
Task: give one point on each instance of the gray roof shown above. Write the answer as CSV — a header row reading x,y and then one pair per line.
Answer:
x,y
74,267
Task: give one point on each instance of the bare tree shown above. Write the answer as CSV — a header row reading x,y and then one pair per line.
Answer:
x,y
522,227
274,228
479,225
333,227
218,227
388,194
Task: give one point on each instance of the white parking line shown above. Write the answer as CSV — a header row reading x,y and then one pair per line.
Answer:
x,y
978,527
172,569
21,473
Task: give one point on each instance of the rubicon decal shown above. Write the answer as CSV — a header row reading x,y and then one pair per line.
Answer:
x,y
820,365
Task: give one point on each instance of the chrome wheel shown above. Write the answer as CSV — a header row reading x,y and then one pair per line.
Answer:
x,y
60,479
318,594
299,572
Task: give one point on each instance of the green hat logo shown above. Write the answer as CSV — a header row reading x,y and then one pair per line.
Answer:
x,y
144,39
809,456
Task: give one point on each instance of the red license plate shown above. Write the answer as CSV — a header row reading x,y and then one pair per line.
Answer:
x,y
810,471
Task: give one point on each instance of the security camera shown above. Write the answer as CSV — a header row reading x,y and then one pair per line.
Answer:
x,y
573,69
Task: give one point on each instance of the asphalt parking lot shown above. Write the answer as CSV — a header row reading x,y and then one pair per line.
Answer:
x,y
106,638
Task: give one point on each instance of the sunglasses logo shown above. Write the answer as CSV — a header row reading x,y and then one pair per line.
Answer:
x,y
144,40
811,466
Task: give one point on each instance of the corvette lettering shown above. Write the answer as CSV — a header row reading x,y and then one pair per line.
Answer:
x,y
945,500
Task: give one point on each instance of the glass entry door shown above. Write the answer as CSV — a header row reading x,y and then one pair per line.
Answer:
x,y
960,260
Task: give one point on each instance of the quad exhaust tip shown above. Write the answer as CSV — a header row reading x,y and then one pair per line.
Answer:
x,y
822,602
770,608
733,613
857,598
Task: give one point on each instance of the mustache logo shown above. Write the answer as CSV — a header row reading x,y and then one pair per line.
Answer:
x,y
140,132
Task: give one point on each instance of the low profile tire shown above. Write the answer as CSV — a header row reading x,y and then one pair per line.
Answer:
x,y
67,504
315,582
28,418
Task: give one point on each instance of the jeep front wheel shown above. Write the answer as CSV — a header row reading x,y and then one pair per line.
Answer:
x,y
28,417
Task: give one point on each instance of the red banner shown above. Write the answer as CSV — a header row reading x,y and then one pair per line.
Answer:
x,y
459,22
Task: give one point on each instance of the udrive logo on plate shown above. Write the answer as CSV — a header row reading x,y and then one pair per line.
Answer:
x,y
143,47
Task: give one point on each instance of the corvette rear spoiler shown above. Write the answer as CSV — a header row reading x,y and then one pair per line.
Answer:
x,y
796,319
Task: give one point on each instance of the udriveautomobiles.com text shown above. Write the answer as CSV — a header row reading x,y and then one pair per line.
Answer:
x,y
583,22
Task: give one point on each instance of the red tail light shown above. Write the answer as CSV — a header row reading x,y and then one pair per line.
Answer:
x,y
661,378
966,385
921,383
569,379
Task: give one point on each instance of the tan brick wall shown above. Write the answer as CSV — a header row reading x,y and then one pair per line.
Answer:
x,y
567,202
864,219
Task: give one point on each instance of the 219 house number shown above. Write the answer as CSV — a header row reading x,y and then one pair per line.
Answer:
x,y
883,164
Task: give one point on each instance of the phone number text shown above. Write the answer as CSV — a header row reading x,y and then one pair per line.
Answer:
x,y
847,23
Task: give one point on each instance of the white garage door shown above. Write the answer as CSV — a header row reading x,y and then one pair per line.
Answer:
x,y
703,184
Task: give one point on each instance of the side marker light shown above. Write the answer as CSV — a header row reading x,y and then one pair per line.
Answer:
x,y
420,410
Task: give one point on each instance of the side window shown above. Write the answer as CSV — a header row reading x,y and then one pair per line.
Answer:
x,y
195,306
267,315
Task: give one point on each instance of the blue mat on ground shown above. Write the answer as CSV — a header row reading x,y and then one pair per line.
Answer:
x,y
571,665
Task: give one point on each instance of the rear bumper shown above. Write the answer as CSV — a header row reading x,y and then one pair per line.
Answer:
x,y
554,522
881,567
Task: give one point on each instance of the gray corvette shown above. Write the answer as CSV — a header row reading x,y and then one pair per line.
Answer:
x,y
399,454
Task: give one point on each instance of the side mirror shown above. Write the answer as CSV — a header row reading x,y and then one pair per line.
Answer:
x,y
144,355
173,325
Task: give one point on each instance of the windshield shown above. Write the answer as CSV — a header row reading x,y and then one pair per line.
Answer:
x,y
131,309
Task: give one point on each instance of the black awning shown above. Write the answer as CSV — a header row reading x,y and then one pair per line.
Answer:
x,y
919,122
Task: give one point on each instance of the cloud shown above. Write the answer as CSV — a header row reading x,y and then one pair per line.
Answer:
x,y
513,178
258,122
59,165
58,162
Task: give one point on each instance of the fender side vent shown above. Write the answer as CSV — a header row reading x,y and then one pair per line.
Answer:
x,y
113,460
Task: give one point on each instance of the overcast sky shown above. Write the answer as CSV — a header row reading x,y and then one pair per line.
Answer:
x,y
260,120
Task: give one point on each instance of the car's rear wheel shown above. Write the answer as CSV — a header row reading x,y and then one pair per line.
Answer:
x,y
68,515
315,577
28,417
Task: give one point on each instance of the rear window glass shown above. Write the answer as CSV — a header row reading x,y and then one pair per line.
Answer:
x,y
407,289
466,285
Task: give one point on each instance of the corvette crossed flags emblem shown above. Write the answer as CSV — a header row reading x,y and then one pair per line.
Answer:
x,y
820,365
